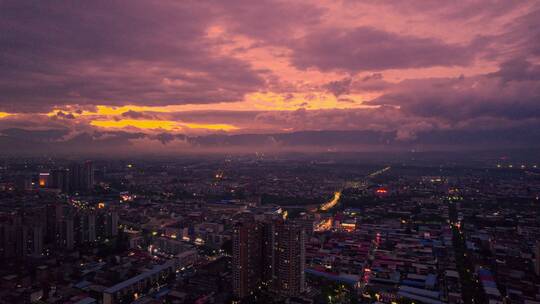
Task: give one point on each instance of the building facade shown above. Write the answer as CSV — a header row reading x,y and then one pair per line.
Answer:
x,y
268,254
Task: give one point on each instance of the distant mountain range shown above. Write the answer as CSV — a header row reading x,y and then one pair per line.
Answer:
x,y
28,142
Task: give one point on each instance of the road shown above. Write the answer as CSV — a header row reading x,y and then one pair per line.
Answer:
x,y
337,195
331,203
379,172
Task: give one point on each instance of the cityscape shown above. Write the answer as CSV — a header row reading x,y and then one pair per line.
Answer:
x,y
270,152
268,230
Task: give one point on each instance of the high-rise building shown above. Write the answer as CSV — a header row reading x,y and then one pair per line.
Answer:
x,y
92,227
112,223
75,173
32,240
537,257
81,176
8,239
247,257
290,259
23,182
61,179
88,177
68,226
268,254
269,249
67,232
21,235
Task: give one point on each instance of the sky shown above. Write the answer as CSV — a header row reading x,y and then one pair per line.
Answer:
x,y
332,75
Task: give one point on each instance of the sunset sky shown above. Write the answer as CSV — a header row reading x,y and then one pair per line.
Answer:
x,y
159,74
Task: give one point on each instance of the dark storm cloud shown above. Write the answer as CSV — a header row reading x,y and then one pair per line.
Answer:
x,y
512,93
103,52
367,48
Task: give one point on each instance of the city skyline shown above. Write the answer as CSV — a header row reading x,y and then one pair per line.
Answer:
x,y
270,151
171,77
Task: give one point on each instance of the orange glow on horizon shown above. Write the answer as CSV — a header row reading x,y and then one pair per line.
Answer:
x,y
139,124
222,127
103,110
168,125
257,101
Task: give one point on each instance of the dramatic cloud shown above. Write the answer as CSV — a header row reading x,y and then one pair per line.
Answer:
x,y
102,52
339,87
513,92
269,21
370,49
194,75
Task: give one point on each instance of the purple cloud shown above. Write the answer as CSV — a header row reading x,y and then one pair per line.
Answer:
x,y
510,93
102,52
370,49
